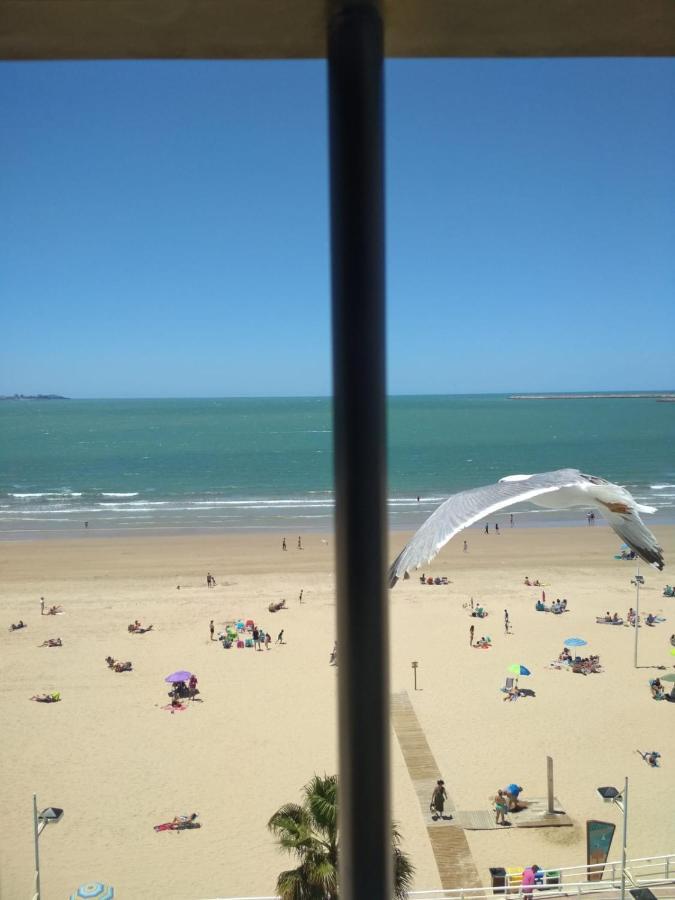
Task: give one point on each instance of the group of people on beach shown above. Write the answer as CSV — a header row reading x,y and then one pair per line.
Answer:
x,y
587,665
52,611
284,547
557,607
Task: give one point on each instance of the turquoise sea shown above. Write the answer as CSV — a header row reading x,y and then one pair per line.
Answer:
x,y
266,464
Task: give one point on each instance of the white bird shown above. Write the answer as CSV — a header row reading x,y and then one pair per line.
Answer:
x,y
562,489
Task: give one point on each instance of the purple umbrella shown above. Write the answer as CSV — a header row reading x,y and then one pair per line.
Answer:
x,y
178,676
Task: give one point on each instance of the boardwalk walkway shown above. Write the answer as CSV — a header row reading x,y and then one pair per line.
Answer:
x,y
450,846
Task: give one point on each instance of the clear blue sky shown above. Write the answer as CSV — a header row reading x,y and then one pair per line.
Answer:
x,y
164,227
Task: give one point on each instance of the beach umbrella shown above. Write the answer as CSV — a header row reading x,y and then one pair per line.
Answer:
x,y
94,889
575,642
517,669
514,789
178,676
669,677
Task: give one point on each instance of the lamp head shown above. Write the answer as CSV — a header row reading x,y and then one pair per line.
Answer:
x,y
51,815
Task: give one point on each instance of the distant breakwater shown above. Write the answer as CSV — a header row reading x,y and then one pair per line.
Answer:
x,y
664,398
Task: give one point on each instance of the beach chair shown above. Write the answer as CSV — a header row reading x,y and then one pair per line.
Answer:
x,y
508,685
240,644
249,642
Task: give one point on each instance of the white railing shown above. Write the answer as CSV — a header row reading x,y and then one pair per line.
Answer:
x,y
569,881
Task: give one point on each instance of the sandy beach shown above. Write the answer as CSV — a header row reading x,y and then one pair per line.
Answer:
x,y
118,763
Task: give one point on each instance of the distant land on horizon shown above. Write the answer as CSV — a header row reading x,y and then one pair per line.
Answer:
x,y
33,397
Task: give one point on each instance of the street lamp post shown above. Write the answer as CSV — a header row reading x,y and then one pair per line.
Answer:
x,y
612,795
51,814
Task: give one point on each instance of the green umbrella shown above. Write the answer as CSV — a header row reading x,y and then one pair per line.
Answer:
x,y
518,669
669,677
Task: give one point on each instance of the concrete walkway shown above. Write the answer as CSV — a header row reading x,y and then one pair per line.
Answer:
x,y
450,846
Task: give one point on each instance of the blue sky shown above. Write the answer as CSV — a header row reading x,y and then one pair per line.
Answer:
x,y
164,227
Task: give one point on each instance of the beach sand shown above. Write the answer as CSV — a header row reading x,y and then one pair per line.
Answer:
x,y
118,763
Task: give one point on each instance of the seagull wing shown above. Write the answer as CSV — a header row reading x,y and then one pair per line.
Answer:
x,y
464,509
623,516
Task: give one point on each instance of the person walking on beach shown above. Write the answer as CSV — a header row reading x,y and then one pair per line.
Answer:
x,y
466,547
256,637
211,628
268,640
496,527
511,520
487,528
438,799
42,606
299,543
506,621
283,543
300,597
500,808
280,637
471,636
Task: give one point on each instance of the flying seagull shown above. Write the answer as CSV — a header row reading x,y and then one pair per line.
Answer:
x,y
564,488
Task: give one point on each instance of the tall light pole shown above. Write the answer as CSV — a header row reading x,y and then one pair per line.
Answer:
x,y
612,795
623,806
50,815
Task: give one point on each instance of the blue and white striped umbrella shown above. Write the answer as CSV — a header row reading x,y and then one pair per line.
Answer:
x,y
575,642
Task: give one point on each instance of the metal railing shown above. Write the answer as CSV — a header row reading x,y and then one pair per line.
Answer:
x,y
569,881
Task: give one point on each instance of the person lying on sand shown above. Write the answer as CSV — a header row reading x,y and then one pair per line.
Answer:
x,y
137,628
118,666
54,610
52,642
512,694
651,757
54,697
179,823
19,625
587,666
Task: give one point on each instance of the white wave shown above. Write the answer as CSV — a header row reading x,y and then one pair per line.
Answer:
x,y
113,494
661,487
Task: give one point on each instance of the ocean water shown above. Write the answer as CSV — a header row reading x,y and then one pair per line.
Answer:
x,y
266,464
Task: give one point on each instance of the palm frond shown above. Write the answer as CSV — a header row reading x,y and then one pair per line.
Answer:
x,y
321,798
295,885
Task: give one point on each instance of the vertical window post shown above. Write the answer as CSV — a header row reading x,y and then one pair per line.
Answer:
x,y
355,74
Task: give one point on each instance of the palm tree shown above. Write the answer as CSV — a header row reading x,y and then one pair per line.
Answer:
x,y
310,832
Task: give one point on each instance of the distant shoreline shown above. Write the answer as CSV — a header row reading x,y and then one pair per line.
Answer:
x,y
33,397
664,398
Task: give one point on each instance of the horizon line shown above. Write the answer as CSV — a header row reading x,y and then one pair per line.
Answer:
x,y
655,391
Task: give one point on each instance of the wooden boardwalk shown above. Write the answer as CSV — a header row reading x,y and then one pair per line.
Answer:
x,y
534,815
450,846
